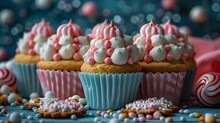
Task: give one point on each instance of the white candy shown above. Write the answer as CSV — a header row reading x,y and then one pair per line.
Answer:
x,y
34,95
12,97
5,89
115,120
82,100
49,95
76,97
15,117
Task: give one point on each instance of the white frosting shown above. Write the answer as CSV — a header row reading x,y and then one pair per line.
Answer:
x,y
23,46
142,52
40,38
117,42
120,56
47,52
51,39
128,40
99,43
171,39
26,35
86,56
83,50
158,40
83,40
99,55
188,49
66,51
176,51
141,40
134,53
158,53
37,47
65,40
92,42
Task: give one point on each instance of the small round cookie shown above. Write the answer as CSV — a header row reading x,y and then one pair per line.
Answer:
x,y
152,105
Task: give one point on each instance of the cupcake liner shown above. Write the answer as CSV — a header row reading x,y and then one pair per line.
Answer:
x,y
110,91
188,84
27,79
168,85
63,83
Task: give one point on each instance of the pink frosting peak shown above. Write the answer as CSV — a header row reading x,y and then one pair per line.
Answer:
x,y
109,31
171,29
42,28
151,29
97,28
69,29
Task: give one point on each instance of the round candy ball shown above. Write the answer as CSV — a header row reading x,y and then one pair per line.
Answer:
x,y
6,16
5,89
49,95
8,78
12,98
114,120
207,89
34,95
198,14
15,117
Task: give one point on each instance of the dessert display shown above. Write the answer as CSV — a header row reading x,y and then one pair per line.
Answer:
x,y
27,55
61,60
111,74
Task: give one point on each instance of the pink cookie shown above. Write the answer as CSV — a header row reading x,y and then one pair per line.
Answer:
x,y
207,89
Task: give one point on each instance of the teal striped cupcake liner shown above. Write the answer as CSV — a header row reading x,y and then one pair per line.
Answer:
x,y
110,91
27,79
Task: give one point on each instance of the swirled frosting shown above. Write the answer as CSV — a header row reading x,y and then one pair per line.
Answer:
x,y
32,41
96,29
157,43
68,43
111,47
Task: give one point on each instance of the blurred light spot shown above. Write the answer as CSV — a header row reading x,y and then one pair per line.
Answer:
x,y
76,3
165,19
134,19
4,28
61,5
88,31
215,7
150,17
117,19
176,18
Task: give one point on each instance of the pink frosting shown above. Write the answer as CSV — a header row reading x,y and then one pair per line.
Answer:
x,y
39,29
151,29
150,103
171,29
97,28
69,29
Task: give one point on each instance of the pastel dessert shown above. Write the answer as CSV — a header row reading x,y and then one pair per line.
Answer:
x,y
161,59
27,56
150,106
111,63
61,58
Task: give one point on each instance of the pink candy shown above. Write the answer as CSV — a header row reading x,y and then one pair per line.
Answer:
x,y
149,117
56,57
31,52
169,57
107,44
147,58
132,115
157,115
91,61
76,56
130,61
110,51
108,60
57,46
141,119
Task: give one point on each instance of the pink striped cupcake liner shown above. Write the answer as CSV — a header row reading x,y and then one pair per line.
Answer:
x,y
168,85
63,83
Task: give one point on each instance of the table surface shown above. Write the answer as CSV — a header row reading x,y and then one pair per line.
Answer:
x,y
90,118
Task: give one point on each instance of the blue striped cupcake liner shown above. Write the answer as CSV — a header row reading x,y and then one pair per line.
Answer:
x,y
27,79
110,91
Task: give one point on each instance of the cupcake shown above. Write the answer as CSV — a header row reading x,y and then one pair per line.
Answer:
x,y
61,60
187,57
111,74
161,59
27,56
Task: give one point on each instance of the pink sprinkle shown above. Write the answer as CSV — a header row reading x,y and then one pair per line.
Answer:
x,y
103,113
132,115
130,60
169,57
147,58
149,117
129,48
31,52
99,112
141,119
91,61
4,111
56,57
107,44
157,115
76,46
148,47
31,44
76,40
18,51
110,51
166,47
108,60
76,56
57,46
184,57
